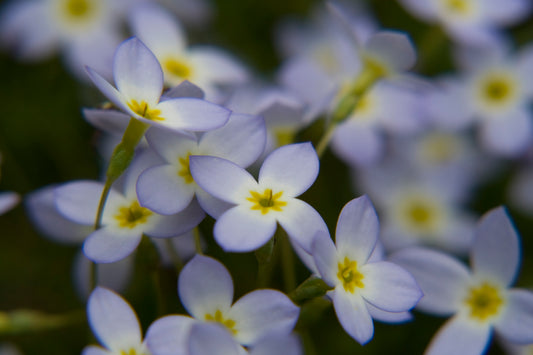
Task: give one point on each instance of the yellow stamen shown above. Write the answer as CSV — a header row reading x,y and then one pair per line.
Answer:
x,y
78,8
484,301
267,201
349,275
142,109
219,318
131,216
185,171
178,68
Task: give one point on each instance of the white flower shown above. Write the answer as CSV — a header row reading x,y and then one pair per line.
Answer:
x,y
479,300
259,205
360,284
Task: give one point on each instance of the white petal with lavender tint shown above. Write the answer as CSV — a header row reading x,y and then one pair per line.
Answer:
x,y
496,249
191,114
292,168
204,286
8,200
389,287
112,320
107,244
137,73
301,222
163,191
516,322
357,143
261,312
357,229
177,224
241,229
394,48
209,339
169,335
353,316
443,295
325,258
216,66
510,135
241,140
458,336
222,178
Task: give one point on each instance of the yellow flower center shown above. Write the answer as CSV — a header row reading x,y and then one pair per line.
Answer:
x,y
219,318
458,6
185,171
78,8
266,201
132,351
484,301
420,214
133,215
178,68
438,148
142,109
284,136
497,90
349,275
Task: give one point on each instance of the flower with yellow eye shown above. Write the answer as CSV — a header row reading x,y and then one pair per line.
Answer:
x,y
115,325
480,300
124,220
139,80
259,205
205,289
361,285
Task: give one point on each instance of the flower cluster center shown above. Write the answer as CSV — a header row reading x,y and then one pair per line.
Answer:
x,y
219,318
177,68
497,90
78,8
185,170
458,6
142,109
484,301
349,275
133,215
266,201
131,351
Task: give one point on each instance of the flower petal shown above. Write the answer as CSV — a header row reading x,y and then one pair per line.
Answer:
x,y
94,350
241,140
389,287
41,208
78,200
211,205
394,48
241,229
301,222
357,229
261,312
458,336
205,286
496,248
168,335
107,245
215,66
353,315
158,30
325,258
388,317
357,143
210,338
163,191
508,136
109,91
110,121
517,320
291,168
443,294
185,89
177,224
138,75
222,178
171,145
191,114
112,320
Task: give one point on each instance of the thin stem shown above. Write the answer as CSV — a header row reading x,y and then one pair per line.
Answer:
x,y
197,241
176,261
101,204
325,139
287,264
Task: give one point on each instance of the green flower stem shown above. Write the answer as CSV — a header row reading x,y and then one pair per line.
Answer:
x,y
311,288
148,258
197,241
264,263
24,321
176,261
349,101
120,160
287,263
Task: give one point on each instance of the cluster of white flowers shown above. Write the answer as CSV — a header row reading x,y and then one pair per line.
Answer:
x,y
197,139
